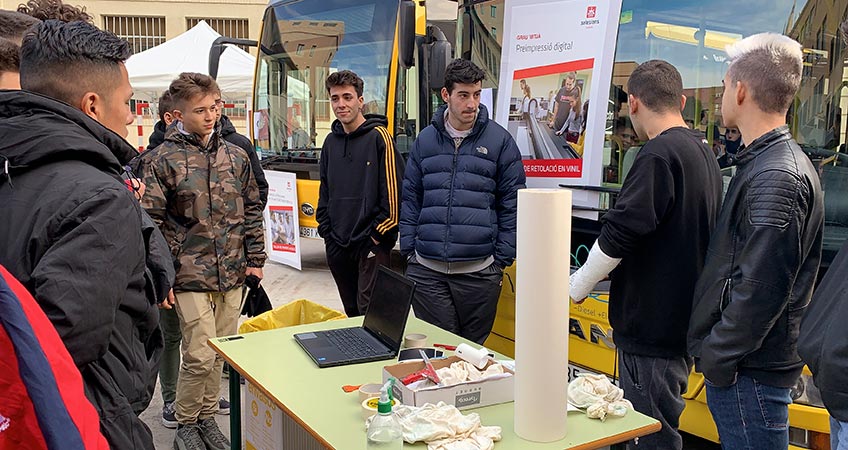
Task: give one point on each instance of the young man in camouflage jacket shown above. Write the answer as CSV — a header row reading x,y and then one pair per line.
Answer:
x,y
204,197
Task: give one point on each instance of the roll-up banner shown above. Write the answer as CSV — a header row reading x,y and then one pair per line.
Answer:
x,y
556,69
282,240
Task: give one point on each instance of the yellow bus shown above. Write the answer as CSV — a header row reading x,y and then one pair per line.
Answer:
x,y
386,42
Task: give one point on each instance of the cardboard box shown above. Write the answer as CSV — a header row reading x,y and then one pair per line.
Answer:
x,y
464,396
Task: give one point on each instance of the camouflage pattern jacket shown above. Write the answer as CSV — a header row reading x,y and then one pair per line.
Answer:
x,y
206,203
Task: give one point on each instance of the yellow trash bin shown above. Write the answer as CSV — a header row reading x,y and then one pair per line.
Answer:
x,y
298,312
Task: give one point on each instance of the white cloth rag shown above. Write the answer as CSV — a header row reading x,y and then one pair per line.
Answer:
x,y
598,396
463,371
444,427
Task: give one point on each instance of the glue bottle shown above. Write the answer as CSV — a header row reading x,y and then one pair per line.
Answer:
x,y
385,431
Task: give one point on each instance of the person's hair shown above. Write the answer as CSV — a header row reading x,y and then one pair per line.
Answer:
x,y
345,78
166,105
622,123
584,116
527,91
190,85
577,105
13,25
770,65
657,84
569,76
65,60
10,56
54,10
462,71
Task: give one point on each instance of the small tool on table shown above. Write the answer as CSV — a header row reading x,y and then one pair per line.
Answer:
x,y
427,372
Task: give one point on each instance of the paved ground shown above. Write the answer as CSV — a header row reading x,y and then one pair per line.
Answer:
x,y
284,284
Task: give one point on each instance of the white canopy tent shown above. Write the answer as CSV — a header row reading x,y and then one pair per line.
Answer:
x,y
152,70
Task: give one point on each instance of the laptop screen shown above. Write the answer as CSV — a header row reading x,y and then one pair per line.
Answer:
x,y
389,307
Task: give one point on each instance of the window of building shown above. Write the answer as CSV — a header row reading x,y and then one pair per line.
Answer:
x,y
233,28
494,11
141,32
494,31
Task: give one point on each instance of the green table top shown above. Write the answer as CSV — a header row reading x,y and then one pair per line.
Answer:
x,y
313,397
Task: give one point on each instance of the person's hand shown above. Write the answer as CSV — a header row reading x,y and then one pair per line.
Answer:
x,y
577,302
558,133
257,271
169,301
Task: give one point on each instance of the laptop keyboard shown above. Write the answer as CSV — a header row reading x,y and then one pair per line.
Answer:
x,y
348,341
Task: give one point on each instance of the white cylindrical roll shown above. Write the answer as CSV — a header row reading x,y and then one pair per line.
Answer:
x,y
541,313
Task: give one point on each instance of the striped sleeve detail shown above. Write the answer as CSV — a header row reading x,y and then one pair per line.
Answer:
x,y
391,183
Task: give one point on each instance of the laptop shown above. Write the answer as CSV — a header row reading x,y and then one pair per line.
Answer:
x,y
381,333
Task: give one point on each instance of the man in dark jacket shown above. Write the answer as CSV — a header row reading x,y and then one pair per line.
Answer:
x,y
358,199
658,230
822,345
458,217
72,231
229,133
763,256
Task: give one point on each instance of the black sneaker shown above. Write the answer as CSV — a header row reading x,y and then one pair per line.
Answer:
x,y
223,406
169,417
212,436
188,438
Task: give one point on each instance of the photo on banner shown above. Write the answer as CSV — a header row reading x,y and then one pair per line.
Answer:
x,y
282,239
556,71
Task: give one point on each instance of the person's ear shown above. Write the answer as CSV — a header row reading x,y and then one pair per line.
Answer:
x,y
633,104
178,115
741,92
91,104
682,102
445,94
168,118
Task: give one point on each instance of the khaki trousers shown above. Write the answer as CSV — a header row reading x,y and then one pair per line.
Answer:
x,y
203,315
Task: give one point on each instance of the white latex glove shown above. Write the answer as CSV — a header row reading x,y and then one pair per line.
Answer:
x,y
597,267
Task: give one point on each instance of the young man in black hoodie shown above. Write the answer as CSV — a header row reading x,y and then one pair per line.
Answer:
x,y
359,195
658,231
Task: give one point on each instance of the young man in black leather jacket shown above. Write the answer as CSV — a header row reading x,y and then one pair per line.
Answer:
x,y
763,256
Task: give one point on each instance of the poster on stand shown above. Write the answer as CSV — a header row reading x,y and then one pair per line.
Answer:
x,y
282,239
556,70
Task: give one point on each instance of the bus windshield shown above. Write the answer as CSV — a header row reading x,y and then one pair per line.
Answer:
x,y
302,42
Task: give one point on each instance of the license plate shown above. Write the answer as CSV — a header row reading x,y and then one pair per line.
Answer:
x,y
309,232
575,370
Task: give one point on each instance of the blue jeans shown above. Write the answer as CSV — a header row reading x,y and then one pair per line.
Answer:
x,y
838,435
750,415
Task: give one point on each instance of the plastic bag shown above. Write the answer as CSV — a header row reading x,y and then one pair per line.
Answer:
x,y
298,312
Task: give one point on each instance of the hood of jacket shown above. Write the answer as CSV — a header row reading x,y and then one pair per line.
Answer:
x,y
158,136
438,120
36,130
371,121
225,125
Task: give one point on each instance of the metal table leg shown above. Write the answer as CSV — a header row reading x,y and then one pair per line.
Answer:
x,y
235,409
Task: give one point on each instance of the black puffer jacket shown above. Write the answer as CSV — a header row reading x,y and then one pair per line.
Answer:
x,y
229,133
71,232
760,268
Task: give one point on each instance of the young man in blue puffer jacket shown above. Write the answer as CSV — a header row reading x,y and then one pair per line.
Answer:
x,y
458,214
